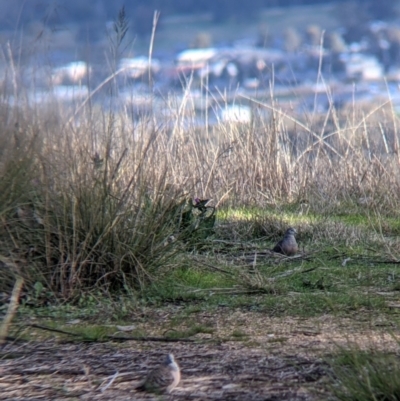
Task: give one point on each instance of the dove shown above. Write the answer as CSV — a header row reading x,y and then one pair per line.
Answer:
x,y
162,379
287,245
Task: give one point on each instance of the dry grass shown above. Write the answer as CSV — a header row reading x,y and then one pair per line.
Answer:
x,y
94,198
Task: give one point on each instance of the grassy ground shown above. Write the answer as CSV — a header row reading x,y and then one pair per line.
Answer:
x,y
110,252
334,306
342,269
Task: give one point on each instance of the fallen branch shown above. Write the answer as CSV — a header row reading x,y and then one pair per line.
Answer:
x,y
218,269
230,291
68,333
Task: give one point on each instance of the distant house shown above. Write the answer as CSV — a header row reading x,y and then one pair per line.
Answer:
x,y
195,59
362,67
70,74
138,67
226,65
235,114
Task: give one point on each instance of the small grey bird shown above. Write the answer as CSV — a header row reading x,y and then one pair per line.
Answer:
x,y
287,245
162,379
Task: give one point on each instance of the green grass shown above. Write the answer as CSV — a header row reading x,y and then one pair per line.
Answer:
x,y
195,300
93,333
365,376
190,332
332,278
238,334
316,284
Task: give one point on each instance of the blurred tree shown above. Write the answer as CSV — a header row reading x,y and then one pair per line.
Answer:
x,y
87,10
379,45
313,35
336,45
202,40
334,42
354,17
265,37
292,39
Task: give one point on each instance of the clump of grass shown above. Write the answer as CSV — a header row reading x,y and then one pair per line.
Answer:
x,y
366,376
74,220
192,331
238,334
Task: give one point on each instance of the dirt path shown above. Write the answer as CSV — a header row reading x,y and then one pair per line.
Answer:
x,y
230,371
275,359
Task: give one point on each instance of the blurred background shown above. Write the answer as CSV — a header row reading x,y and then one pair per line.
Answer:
x,y
215,45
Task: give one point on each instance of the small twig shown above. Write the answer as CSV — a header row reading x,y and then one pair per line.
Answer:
x,y
389,262
233,243
218,269
291,272
155,339
156,16
231,291
37,326
119,164
12,308
308,270
110,382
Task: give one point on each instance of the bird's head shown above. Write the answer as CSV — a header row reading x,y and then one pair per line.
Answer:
x,y
291,231
170,362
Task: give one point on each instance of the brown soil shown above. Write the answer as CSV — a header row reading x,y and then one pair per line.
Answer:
x,y
53,371
276,359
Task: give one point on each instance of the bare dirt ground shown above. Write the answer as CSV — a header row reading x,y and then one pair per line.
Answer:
x,y
278,359
53,371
